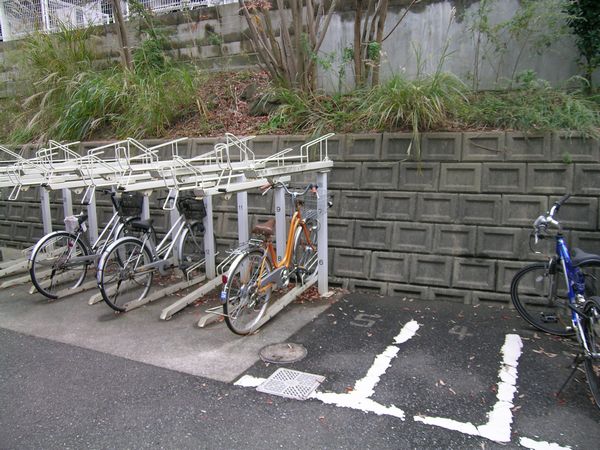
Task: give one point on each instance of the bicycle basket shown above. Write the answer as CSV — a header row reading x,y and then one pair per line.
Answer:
x,y
191,208
307,204
130,204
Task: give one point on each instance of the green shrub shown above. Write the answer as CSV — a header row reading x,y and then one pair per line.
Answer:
x,y
69,99
534,108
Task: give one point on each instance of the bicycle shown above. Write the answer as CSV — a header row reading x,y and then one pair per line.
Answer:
x,y
255,273
559,296
60,260
127,266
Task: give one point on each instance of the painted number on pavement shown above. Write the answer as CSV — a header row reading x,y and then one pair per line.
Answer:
x,y
365,320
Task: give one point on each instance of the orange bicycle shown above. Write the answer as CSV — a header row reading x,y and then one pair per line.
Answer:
x,y
255,273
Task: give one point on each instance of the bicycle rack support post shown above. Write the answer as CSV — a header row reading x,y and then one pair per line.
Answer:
x,y
280,225
145,207
242,213
46,214
323,262
67,202
92,219
209,241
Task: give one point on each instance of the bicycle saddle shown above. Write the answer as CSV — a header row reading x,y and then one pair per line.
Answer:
x,y
266,228
579,257
143,225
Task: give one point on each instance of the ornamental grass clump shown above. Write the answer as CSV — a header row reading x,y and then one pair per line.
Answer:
x,y
426,103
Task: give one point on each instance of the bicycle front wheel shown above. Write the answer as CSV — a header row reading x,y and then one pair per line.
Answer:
x,y
58,262
124,273
540,295
305,255
591,334
244,299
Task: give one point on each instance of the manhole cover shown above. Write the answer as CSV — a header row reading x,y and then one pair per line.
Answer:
x,y
291,384
283,353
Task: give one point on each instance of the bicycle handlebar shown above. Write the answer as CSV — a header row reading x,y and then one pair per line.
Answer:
x,y
540,225
112,195
310,186
558,204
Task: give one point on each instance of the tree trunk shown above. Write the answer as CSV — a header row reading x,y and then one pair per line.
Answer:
x,y
358,60
122,34
379,39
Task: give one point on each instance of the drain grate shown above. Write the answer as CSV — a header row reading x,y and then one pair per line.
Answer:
x,y
291,384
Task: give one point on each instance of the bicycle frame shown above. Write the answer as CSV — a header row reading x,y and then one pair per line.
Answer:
x,y
111,229
276,276
160,253
575,287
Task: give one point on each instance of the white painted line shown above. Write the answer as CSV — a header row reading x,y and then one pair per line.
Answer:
x,y
498,427
365,387
249,381
356,401
449,424
499,422
540,445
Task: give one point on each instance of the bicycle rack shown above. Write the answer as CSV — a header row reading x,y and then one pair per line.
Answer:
x,y
309,157
231,167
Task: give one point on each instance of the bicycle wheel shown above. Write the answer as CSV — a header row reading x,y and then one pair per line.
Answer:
x,y
244,301
539,294
123,273
591,334
191,249
58,262
305,257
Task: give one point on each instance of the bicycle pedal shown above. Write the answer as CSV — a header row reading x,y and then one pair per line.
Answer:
x,y
549,319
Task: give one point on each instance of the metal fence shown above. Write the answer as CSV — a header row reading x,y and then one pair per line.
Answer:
x,y
21,17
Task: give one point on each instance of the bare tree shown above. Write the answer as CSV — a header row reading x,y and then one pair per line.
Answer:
x,y
369,25
289,51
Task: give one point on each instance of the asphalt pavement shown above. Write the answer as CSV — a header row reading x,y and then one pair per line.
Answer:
x,y
399,373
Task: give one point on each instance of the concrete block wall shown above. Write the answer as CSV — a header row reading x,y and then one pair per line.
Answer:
x,y
453,226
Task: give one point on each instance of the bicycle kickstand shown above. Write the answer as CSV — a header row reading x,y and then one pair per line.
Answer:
x,y
579,358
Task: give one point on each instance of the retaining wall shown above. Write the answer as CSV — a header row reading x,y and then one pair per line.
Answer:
x,y
217,38
452,226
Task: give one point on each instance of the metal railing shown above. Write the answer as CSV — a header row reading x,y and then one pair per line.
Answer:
x,y
21,17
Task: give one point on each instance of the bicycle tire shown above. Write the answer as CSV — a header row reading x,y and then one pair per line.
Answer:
x,y
591,333
121,277
243,305
53,252
305,254
191,249
530,292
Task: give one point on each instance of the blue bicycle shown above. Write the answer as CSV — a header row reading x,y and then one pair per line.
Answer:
x,y
560,296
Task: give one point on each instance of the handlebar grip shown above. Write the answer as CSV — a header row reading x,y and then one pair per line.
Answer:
x,y
560,202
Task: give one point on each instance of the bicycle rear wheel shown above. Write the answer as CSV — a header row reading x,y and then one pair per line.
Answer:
x,y
305,255
58,263
123,273
539,293
244,301
591,333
